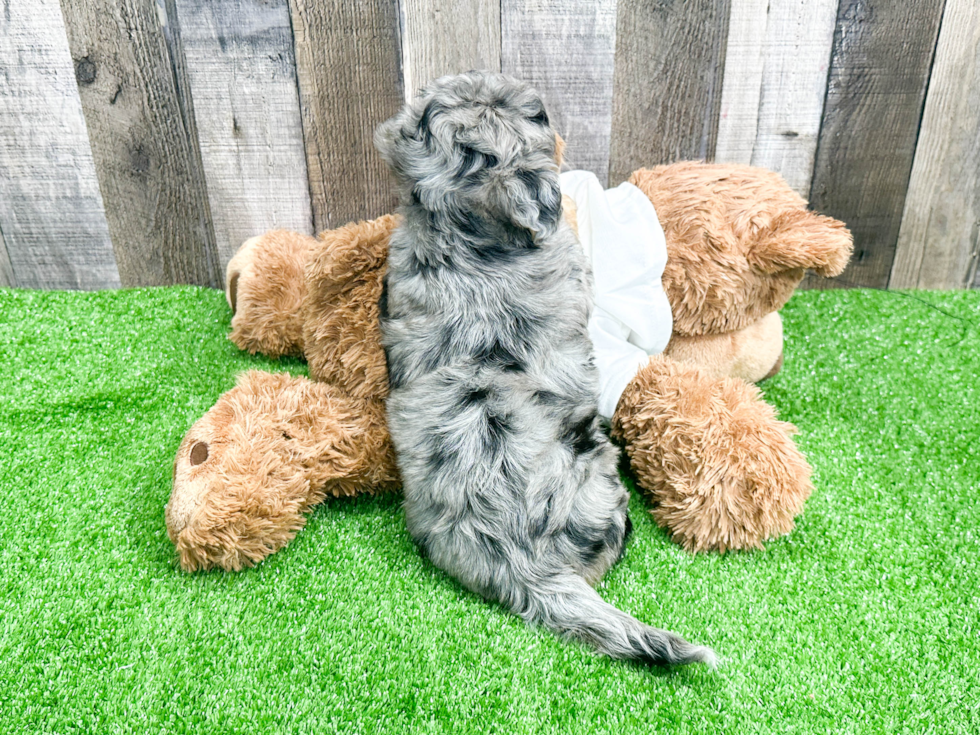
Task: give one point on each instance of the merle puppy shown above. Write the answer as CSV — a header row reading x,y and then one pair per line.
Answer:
x,y
510,485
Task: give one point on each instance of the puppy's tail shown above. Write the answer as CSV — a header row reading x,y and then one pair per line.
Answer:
x,y
567,605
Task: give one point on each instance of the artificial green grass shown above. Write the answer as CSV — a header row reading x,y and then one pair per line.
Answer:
x,y
865,619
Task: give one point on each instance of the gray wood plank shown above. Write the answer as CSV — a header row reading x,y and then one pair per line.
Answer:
x,y
937,244
448,37
348,62
670,59
745,60
242,75
141,126
51,211
876,86
566,50
776,64
6,272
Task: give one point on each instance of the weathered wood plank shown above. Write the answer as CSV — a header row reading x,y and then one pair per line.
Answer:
x,y
670,60
566,49
348,63
745,61
775,84
446,37
878,75
6,272
50,208
937,244
143,141
242,75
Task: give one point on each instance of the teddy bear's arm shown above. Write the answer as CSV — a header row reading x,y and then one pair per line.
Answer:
x,y
316,297
355,249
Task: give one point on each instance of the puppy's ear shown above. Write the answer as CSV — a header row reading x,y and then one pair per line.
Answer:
x,y
386,138
530,199
400,145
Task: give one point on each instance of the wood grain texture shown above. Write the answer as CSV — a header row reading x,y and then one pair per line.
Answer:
x,y
670,59
140,123
242,75
446,37
938,241
6,272
745,60
976,257
566,49
349,70
876,86
51,213
775,83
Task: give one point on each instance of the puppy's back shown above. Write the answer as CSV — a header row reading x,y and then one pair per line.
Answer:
x,y
509,483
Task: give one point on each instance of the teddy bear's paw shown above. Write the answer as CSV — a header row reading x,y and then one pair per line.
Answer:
x,y
248,472
721,471
265,288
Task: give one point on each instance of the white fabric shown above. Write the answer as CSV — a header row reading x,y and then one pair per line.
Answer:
x,y
622,237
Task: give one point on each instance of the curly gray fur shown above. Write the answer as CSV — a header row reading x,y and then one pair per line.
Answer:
x,y
510,484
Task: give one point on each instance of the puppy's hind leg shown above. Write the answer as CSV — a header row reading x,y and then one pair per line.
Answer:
x,y
597,546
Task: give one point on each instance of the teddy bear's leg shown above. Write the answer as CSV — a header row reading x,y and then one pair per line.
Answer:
x,y
265,288
753,353
271,448
721,471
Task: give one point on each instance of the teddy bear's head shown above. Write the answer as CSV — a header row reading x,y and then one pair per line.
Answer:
x,y
739,241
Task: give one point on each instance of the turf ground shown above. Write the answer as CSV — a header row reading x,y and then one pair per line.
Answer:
x,y
865,619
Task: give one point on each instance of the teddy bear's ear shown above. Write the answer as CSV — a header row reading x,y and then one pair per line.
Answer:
x,y
802,239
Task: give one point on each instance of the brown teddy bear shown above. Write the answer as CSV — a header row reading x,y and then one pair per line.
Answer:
x,y
720,470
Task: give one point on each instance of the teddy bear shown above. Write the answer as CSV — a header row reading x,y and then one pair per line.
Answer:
x,y
721,472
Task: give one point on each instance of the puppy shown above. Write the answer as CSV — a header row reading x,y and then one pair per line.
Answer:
x,y
510,485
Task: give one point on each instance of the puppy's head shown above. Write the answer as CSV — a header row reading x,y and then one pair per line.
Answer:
x,y
476,147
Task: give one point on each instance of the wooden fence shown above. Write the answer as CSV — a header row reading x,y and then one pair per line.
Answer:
x,y
141,141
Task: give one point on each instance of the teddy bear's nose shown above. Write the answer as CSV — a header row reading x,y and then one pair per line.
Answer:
x,y
199,453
